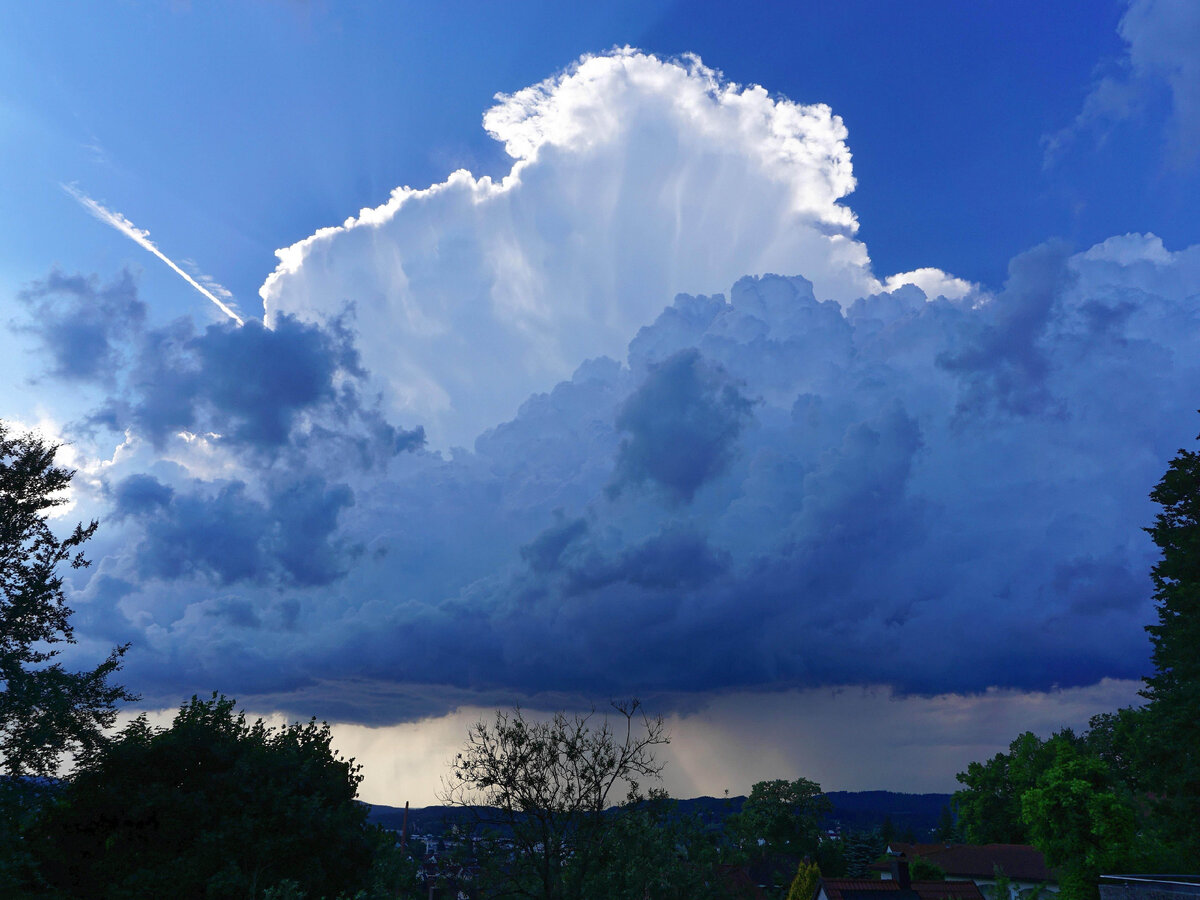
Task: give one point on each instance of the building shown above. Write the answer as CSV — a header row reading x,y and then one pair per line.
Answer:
x,y
1023,865
897,886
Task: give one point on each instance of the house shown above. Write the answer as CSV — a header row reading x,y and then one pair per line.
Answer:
x,y
899,887
1023,865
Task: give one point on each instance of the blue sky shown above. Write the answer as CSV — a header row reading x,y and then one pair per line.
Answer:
x,y
477,453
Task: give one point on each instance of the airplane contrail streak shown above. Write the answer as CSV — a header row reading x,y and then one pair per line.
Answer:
x,y
142,238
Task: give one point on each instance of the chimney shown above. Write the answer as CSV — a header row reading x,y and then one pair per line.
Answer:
x,y
899,866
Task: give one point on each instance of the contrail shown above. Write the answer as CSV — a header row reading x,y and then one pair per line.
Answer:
x,y
142,238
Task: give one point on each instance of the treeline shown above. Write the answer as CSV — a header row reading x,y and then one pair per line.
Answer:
x,y
899,816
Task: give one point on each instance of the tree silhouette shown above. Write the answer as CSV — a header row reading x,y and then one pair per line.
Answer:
x,y
45,711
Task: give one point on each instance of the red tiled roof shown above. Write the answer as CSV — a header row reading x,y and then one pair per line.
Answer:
x,y
834,886
911,850
943,890
926,890
1019,861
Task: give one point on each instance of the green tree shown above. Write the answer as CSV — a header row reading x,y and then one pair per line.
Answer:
x,y
547,785
211,807
862,848
921,869
945,827
989,804
1173,728
804,885
887,831
785,815
1119,741
45,711
650,850
1079,822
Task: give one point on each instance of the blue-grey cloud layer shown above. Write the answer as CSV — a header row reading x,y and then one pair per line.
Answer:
x,y
769,491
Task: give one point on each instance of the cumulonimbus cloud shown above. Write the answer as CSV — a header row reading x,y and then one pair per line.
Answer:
x,y
806,482
634,178
897,473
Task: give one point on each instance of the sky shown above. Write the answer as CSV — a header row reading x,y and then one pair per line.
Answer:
x,y
801,370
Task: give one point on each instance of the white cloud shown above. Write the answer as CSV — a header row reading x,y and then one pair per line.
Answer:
x,y
934,282
634,178
1162,51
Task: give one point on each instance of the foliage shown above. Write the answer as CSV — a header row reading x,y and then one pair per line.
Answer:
x,y
861,848
804,885
946,828
45,711
887,831
210,807
989,804
652,851
921,869
785,815
1079,821
1172,742
1002,887
547,784
831,858
1118,740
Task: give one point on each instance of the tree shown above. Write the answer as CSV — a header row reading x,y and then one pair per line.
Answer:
x,y
785,815
945,827
921,869
45,711
211,807
804,885
989,804
651,850
887,831
1173,742
547,785
1079,822
861,849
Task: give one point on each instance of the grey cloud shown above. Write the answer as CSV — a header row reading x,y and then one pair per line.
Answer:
x,y
226,534
925,494
1162,54
263,390
82,324
139,495
681,426
1005,361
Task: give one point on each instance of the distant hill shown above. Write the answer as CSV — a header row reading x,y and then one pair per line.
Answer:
x,y
852,810
864,810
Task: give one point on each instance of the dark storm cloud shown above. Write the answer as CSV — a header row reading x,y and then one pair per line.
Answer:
x,y
139,495
681,426
260,389
1005,361
81,324
935,495
247,383
228,535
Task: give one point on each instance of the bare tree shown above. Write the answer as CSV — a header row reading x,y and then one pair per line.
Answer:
x,y
548,784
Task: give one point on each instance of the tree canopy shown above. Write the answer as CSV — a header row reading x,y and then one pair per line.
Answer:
x,y
785,815
1173,691
45,710
213,806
